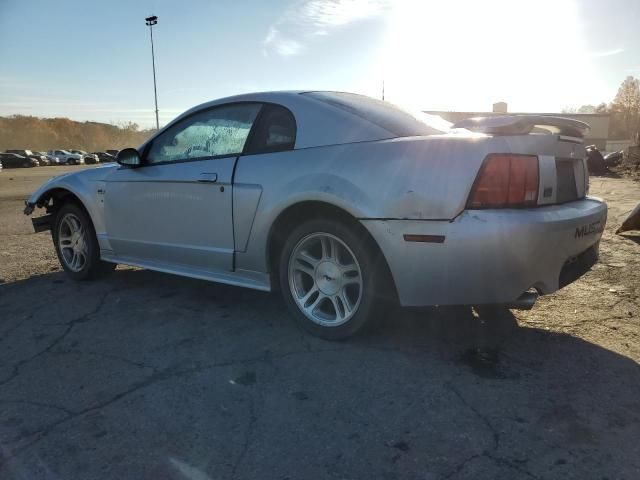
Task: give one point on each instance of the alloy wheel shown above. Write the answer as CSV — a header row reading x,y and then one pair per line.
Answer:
x,y
325,279
72,242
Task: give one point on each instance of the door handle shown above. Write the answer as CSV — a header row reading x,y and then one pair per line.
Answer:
x,y
208,178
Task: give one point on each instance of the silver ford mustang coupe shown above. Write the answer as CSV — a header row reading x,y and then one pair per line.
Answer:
x,y
343,202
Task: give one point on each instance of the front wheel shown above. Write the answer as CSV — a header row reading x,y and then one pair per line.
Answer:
x,y
330,279
77,245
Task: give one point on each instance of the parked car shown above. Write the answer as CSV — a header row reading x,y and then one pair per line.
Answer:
x,y
67,157
105,157
343,202
0,166
13,160
52,160
89,158
41,159
614,158
113,153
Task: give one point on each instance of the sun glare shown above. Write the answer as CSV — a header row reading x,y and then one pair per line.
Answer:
x,y
468,54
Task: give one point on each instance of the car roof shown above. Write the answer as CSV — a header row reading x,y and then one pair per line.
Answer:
x,y
318,122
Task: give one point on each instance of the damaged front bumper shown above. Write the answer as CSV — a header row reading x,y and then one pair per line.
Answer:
x,y
42,223
28,207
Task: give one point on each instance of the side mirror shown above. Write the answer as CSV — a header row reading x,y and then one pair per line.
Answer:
x,y
129,157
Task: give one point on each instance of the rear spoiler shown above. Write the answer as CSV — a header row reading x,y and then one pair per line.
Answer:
x,y
524,124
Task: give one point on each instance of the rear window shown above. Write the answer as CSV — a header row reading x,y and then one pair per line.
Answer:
x,y
384,114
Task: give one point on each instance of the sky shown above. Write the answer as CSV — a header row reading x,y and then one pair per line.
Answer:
x,y
91,60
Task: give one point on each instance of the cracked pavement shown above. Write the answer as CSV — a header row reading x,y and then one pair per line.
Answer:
x,y
143,375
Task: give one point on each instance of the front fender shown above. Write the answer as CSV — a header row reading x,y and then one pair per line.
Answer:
x,y
38,197
85,191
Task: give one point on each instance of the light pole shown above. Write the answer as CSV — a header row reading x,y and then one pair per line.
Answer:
x,y
150,22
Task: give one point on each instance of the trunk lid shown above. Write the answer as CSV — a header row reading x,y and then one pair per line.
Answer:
x,y
563,168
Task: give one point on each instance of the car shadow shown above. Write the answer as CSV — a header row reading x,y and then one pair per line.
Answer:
x,y
448,391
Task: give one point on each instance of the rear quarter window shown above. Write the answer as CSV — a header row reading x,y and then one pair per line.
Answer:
x,y
275,131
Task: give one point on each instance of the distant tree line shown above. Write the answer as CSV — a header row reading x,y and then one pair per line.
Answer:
x,y
33,133
624,111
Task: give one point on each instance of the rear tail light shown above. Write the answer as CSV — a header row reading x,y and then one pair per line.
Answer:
x,y
506,181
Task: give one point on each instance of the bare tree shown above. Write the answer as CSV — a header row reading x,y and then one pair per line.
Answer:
x,y
626,104
587,109
602,108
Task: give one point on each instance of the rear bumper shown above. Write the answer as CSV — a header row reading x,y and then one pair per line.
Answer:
x,y
577,266
491,256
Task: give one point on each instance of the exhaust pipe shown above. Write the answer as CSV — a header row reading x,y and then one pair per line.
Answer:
x,y
526,301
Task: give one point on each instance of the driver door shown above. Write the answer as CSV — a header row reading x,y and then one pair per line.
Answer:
x,y
174,212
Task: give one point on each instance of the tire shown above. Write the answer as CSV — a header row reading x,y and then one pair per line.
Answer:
x,y
350,286
76,244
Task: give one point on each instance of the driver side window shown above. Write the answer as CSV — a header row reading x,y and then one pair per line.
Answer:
x,y
219,131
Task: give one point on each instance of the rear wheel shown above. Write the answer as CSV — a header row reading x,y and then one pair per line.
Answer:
x,y
77,245
329,278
